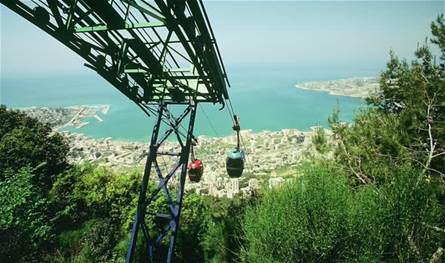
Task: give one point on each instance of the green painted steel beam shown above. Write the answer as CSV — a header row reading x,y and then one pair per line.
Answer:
x,y
107,38
144,9
97,28
134,70
139,70
189,69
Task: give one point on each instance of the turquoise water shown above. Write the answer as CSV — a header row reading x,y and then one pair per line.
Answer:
x,y
263,96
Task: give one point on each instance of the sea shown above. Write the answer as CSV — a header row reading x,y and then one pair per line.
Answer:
x,y
264,97
268,47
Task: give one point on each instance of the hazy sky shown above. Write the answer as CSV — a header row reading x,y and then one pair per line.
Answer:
x,y
313,34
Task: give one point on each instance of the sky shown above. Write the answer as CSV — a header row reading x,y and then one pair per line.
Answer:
x,y
319,34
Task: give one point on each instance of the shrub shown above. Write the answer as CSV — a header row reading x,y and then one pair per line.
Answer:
x,y
300,222
90,191
320,218
319,140
223,237
25,141
25,227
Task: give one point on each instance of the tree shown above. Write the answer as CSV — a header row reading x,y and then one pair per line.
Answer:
x,y
407,121
25,227
415,93
26,142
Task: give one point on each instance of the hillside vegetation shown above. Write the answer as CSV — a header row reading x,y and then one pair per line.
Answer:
x,y
379,199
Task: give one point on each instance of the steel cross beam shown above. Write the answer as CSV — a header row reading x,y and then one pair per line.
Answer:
x,y
160,225
151,51
159,53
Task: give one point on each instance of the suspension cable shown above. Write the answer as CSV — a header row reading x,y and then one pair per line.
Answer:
x,y
209,121
232,114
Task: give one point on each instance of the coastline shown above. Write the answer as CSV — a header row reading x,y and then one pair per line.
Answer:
x,y
358,87
271,155
267,152
64,117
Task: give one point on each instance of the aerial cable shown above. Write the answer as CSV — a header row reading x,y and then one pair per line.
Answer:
x,y
209,121
230,113
247,156
239,136
235,157
195,167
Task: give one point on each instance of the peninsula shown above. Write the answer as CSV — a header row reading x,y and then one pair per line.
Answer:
x,y
353,87
62,117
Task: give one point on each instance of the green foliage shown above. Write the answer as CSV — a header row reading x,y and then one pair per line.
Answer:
x,y
25,227
24,141
223,237
96,195
31,156
93,242
102,198
320,218
438,31
414,94
90,191
98,241
392,210
406,124
299,222
370,145
411,209
319,140
193,228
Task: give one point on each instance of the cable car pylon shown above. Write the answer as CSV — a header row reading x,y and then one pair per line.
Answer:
x,y
162,55
167,221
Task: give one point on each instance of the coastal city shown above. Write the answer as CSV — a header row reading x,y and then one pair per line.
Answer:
x,y
271,155
222,131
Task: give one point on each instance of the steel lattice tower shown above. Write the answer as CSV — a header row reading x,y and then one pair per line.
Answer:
x,y
161,54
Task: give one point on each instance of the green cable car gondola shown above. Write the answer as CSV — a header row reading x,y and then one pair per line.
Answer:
x,y
235,163
235,158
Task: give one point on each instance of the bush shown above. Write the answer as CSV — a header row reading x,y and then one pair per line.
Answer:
x,y
223,236
25,227
25,141
412,213
320,218
98,241
319,140
95,207
91,191
300,222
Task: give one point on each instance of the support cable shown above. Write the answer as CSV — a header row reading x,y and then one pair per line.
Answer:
x,y
209,121
231,111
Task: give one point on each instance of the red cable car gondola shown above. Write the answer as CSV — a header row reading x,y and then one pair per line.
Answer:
x,y
195,167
